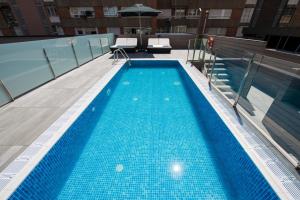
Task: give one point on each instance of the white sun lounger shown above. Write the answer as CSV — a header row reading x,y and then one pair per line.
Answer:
x,y
159,45
128,44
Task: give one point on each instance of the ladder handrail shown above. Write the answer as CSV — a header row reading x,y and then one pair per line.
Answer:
x,y
212,67
123,53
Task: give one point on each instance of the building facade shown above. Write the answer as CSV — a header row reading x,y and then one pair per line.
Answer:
x,y
77,17
25,18
8,23
278,22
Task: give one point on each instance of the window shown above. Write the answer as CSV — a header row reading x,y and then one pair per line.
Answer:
x,y
287,15
165,13
18,31
219,14
130,31
114,30
292,2
58,30
179,12
135,30
239,32
51,10
8,16
191,30
285,19
87,12
110,11
164,29
216,31
251,2
193,12
86,31
179,29
247,15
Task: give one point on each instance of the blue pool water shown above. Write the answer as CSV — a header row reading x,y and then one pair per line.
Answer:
x,y
150,134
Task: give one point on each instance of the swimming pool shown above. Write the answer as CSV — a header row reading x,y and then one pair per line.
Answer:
x,y
150,134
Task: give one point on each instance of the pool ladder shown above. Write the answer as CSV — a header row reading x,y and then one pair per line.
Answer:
x,y
123,53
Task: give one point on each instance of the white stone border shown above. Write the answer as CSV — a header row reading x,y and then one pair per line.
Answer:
x,y
15,173
276,173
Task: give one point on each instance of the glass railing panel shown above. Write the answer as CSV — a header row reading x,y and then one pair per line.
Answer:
x,y
110,38
96,47
197,48
105,42
23,66
82,49
190,49
204,51
61,56
228,70
271,98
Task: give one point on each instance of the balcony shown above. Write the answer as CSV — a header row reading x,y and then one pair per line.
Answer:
x,y
54,19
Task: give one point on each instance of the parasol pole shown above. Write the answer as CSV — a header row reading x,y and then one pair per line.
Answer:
x,y
140,22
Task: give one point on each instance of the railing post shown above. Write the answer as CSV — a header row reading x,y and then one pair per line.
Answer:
x,y
199,57
7,91
212,70
204,52
189,45
209,65
101,46
194,48
74,52
91,49
243,81
49,63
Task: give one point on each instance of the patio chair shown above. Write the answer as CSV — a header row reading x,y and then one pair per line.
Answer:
x,y
128,44
159,45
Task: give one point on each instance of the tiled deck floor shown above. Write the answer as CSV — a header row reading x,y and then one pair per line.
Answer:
x,y
23,120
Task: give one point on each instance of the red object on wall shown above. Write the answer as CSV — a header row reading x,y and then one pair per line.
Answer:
x,y
210,41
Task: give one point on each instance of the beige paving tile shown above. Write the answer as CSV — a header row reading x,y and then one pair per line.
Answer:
x,y
7,154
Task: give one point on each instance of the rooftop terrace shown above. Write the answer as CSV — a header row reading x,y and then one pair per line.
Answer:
x,y
41,81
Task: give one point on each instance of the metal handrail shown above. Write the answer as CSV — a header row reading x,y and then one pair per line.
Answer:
x,y
123,53
49,63
212,68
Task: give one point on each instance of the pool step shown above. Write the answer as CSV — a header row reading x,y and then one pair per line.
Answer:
x,y
218,69
219,75
221,81
229,95
224,88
